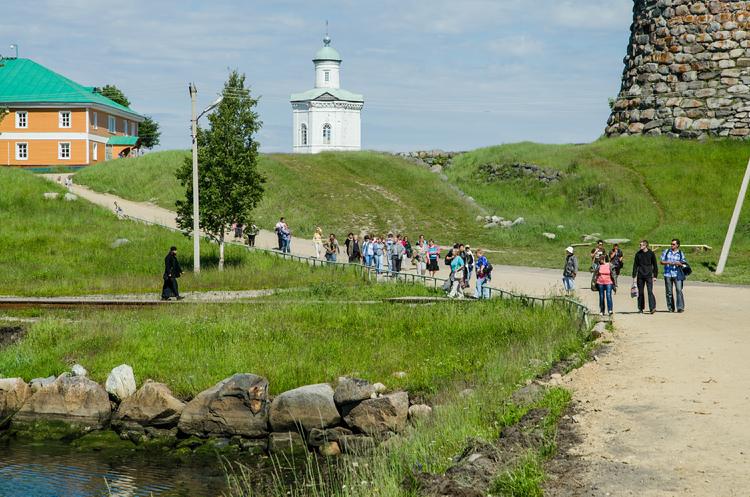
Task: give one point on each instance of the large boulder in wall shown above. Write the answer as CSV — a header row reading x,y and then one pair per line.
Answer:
x,y
152,405
235,406
14,392
308,407
72,399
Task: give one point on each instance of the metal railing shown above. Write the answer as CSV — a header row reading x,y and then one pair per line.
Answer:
x,y
389,276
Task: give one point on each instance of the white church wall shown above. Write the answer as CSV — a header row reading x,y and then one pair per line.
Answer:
x,y
332,68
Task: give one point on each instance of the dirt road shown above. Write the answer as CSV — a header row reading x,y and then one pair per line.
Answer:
x,y
664,413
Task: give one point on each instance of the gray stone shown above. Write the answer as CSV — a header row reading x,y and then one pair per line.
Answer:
x,y
51,195
71,399
287,444
380,388
506,224
318,437
79,370
496,219
479,219
419,411
490,225
121,382
549,236
14,392
519,220
119,243
152,405
619,241
351,390
377,416
38,383
235,406
329,449
309,407
71,197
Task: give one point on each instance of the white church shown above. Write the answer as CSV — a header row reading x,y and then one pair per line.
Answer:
x,y
326,117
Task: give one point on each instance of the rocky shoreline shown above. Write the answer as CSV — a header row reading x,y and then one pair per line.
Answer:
x,y
235,415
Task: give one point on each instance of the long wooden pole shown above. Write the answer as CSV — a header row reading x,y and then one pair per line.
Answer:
x,y
733,223
196,210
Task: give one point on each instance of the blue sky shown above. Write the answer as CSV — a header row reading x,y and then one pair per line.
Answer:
x,y
455,75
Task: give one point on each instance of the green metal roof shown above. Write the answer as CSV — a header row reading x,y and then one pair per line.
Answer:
x,y
337,93
327,53
25,81
122,140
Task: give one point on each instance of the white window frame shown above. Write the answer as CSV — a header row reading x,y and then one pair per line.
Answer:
x,y
327,76
19,114
112,124
95,151
26,150
327,136
96,120
60,150
125,126
303,133
61,119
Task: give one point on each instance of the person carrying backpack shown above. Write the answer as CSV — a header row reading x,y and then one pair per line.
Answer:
x,y
456,277
675,270
484,272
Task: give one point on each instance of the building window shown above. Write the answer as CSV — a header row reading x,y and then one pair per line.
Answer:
x,y
327,133
134,130
303,134
327,76
22,119
96,120
95,151
63,150
22,151
64,119
111,126
124,126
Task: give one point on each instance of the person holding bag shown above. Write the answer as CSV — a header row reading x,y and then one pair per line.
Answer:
x,y
606,282
675,270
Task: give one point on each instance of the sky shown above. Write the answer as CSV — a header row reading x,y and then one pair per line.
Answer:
x,y
435,74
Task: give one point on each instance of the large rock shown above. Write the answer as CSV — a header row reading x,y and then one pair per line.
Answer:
x,y
380,415
319,437
14,392
351,390
235,406
71,399
152,405
310,407
121,382
38,383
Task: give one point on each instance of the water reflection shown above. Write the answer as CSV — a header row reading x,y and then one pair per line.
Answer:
x,y
54,469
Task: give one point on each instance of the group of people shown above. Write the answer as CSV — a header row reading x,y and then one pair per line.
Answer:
x,y
606,266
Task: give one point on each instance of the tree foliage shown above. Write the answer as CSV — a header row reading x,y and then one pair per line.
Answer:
x,y
3,113
229,183
115,94
148,132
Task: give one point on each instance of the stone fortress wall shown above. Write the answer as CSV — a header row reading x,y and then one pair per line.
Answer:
x,y
687,71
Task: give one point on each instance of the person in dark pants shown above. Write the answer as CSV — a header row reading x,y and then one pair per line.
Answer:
x,y
172,271
645,271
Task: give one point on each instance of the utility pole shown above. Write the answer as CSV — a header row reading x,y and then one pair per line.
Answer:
x,y
733,223
196,235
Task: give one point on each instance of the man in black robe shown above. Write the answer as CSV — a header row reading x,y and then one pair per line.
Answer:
x,y
172,271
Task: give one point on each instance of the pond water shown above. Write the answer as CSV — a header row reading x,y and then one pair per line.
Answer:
x,y
55,469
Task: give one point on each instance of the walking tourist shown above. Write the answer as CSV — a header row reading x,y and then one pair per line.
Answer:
x,y
279,226
606,281
433,258
469,261
172,271
457,274
616,257
252,232
286,238
367,251
419,256
596,252
674,263
484,274
238,231
318,242
378,248
332,248
645,271
570,271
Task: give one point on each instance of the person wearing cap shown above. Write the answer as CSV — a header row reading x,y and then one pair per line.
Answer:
x,y
570,270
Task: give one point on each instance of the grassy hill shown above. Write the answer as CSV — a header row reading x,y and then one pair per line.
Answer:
x,y
632,188
58,247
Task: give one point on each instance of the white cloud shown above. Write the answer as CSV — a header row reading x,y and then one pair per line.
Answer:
x,y
591,14
517,46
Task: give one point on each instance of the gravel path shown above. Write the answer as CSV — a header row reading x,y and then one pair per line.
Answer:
x,y
664,413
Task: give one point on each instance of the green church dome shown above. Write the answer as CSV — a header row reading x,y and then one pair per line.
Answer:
x,y
327,52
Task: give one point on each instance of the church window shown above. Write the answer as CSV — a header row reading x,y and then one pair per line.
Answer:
x,y
327,76
303,134
327,133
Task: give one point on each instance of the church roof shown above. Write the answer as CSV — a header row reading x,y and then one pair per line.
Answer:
x,y
327,53
336,93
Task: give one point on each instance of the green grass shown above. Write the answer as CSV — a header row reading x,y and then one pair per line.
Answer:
x,y
291,344
632,188
55,247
